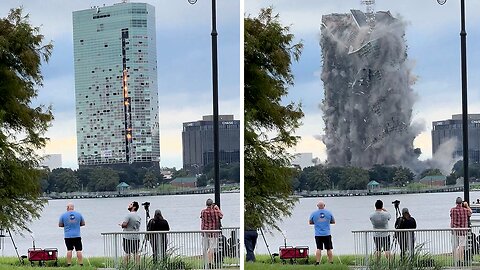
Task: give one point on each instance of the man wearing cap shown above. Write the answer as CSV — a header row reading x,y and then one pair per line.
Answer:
x,y
459,216
211,217
406,240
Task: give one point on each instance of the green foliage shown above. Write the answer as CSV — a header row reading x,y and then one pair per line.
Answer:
x,y
269,50
229,173
202,181
104,179
353,178
62,180
341,262
314,178
418,260
381,173
416,186
429,172
335,175
150,180
402,176
179,173
22,127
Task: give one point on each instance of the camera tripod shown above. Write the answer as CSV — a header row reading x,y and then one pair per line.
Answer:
x,y
13,242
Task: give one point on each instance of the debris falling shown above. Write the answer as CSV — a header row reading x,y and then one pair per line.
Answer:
x,y
367,108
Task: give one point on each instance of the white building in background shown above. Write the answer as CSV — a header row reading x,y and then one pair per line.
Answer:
x,y
303,160
52,161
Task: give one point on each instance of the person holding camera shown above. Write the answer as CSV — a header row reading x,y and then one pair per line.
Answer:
x,y
406,240
158,241
211,220
459,216
131,223
379,220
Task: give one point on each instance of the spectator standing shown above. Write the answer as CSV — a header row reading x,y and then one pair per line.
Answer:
x,y
158,241
406,240
321,219
250,240
210,220
379,220
131,223
71,221
459,216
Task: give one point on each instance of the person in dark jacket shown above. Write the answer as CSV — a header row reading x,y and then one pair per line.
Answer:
x,y
158,240
406,240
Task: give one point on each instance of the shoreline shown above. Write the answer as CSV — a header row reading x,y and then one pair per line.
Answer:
x,y
352,193
113,194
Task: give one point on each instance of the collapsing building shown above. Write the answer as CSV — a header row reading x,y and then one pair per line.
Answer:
x,y
368,96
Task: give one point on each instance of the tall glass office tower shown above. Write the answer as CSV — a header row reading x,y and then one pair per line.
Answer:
x,y
116,84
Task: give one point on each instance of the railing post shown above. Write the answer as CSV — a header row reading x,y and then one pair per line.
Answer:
x,y
366,248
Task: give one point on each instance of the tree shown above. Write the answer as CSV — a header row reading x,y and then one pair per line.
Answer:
x,y
269,125
84,178
314,178
63,180
402,176
382,173
429,172
335,175
202,181
150,180
353,178
104,179
22,127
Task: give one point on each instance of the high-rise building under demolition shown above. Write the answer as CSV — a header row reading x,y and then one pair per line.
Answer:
x,y
116,84
368,96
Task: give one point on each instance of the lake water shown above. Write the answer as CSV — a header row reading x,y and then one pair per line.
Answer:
x,y
103,215
352,213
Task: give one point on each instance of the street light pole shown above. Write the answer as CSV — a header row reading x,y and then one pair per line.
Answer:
x,y
463,50
216,160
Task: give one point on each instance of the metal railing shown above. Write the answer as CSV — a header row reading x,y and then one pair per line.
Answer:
x,y
415,248
216,249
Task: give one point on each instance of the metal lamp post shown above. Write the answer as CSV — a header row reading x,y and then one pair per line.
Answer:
x,y
463,45
216,161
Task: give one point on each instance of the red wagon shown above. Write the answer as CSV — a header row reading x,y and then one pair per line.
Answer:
x,y
42,255
293,253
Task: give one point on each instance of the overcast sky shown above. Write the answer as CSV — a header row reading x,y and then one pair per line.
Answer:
x,y
184,67
433,40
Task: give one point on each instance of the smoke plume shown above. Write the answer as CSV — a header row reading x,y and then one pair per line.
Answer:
x,y
367,108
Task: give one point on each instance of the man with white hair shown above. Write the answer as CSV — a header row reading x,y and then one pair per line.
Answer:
x,y
71,221
321,219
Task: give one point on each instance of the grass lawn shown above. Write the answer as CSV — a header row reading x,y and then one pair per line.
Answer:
x,y
265,262
7,263
261,266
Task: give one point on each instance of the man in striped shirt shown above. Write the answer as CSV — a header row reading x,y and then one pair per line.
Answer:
x,y
459,219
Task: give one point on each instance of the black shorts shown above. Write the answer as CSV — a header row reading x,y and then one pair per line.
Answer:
x,y
131,245
324,241
74,243
382,243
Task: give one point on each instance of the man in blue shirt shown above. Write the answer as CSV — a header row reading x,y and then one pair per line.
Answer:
x,y
71,222
322,219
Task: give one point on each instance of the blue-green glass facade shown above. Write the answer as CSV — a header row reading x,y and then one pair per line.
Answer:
x,y
106,41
